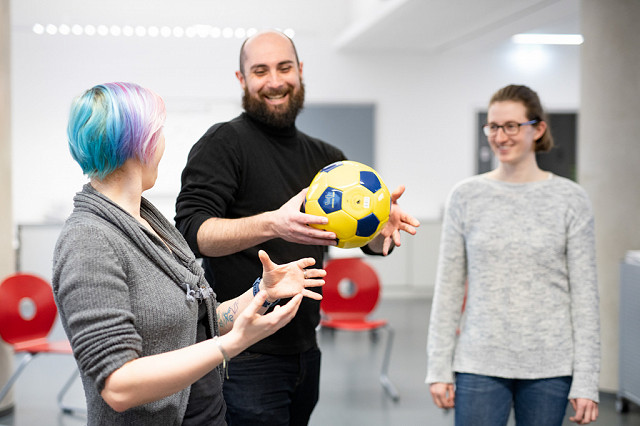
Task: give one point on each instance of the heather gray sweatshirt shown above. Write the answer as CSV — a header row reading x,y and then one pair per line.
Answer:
x,y
528,252
121,295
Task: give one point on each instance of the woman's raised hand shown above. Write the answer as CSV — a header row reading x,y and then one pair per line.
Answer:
x,y
290,279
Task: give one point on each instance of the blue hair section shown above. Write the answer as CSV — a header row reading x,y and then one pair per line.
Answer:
x,y
111,123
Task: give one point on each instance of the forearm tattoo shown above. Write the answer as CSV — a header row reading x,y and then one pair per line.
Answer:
x,y
227,318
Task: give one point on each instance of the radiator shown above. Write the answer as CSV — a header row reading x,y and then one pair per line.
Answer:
x,y
629,369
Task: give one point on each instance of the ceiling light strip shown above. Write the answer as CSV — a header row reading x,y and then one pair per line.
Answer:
x,y
566,39
191,31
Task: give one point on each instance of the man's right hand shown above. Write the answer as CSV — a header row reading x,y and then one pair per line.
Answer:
x,y
290,224
221,236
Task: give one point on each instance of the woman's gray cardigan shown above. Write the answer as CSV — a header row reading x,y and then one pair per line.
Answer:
x,y
122,295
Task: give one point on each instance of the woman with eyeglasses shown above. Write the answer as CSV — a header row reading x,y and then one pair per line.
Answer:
x,y
519,242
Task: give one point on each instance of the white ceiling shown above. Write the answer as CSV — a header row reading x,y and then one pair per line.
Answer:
x,y
232,13
436,25
368,25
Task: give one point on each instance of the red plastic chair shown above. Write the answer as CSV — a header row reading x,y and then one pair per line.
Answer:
x,y
349,310
27,332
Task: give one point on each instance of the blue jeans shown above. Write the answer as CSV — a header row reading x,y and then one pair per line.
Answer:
x,y
485,400
272,390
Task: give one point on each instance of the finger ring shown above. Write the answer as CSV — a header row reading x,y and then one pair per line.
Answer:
x,y
305,274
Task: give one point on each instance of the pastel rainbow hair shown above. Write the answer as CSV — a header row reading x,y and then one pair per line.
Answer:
x,y
111,123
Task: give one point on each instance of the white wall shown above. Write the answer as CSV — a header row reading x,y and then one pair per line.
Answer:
x,y
426,105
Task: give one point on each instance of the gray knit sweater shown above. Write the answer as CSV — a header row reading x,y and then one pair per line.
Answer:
x,y
528,252
122,295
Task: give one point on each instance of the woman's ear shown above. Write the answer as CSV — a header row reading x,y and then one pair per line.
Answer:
x,y
540,127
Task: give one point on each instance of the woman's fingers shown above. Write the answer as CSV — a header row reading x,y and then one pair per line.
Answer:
x,y
289,309
305,262
267,263
312,275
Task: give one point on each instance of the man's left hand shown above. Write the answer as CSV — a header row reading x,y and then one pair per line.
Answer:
x,y
399,220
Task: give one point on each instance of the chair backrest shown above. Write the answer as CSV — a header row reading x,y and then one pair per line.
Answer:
x,y
20,293
363,287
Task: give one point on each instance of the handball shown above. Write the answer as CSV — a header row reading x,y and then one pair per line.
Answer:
x,y
354,199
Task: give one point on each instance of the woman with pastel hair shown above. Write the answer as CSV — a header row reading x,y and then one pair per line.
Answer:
x,y
150,340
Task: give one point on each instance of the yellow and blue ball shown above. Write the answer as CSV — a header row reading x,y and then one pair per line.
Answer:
x,y
355,200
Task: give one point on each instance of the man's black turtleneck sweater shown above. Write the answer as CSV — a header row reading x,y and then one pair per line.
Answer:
x,y
242,168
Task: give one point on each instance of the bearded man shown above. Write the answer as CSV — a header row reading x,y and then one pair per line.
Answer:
x,y
242,188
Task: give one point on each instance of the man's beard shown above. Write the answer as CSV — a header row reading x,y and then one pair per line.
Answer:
x,y
282,115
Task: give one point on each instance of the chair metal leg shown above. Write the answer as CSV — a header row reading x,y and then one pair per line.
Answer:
x,y
389,387
26,359
67,409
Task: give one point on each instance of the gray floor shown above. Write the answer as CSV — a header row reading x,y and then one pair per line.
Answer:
x,y
350,391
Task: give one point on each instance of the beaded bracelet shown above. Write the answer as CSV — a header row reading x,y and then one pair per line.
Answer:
x,y
256,289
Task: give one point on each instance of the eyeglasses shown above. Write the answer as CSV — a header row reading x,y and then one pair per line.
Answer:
x,y
510,128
